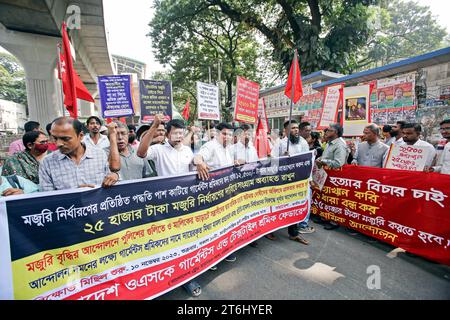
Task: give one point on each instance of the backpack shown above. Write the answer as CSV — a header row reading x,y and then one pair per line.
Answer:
x,y
14,181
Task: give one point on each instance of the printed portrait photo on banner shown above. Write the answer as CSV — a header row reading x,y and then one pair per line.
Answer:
x,y
355,108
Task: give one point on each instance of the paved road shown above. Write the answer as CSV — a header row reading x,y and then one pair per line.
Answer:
x,y
334,266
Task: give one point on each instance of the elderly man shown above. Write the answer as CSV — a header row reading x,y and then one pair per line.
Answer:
x,y
334,156
75,164
372,152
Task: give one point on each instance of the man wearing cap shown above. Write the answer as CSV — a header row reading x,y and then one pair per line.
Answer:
x,y
94,138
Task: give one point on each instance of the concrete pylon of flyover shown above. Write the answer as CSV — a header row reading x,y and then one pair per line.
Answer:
x,y
30,30
37,54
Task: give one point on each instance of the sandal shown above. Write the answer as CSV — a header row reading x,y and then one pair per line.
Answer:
x,y
193,288
299,239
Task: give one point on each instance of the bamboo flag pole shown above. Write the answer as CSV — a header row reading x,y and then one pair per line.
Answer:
x,y
292,100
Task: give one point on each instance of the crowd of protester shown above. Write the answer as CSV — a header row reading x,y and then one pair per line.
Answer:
x,y
70,154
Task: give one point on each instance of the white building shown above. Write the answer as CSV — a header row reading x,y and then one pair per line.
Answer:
x,y
12,116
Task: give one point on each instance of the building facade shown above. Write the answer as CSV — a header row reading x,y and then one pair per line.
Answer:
x,y
12,117
413,90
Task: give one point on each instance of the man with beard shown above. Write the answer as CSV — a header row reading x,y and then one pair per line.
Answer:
x,y
131,166
243,151
133,142
172,157
297,145
94,138
411,137
397,132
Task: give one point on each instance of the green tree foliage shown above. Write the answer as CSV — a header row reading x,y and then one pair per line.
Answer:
x,y
328,34
12,79
403,29
192,39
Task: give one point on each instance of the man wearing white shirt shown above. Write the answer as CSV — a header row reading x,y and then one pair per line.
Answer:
x,y
443,162
94,138
215,154
411,133
297,144
398,133
243,151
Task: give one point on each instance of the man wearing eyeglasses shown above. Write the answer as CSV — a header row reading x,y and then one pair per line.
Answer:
x,y
443,162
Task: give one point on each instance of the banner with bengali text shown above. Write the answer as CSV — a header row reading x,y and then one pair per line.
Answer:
x,y
155,98
406,209
140,239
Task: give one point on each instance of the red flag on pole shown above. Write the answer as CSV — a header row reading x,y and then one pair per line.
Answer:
x,y
261,143
73,87
185,113
294,83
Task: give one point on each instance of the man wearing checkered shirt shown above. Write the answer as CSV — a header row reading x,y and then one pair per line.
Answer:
x,y
74,165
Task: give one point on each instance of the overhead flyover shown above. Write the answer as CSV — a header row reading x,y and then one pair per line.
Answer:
x,y
31,30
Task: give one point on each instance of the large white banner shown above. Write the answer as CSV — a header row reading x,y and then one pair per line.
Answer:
x,y
404,157
208,101
356,109
330,106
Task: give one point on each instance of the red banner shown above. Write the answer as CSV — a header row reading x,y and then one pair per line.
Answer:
x,y
406,209
247,97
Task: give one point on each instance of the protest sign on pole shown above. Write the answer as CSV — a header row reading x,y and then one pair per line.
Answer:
x,y
155,98
246,106
115,96
330,106
356,108
405,157
208,101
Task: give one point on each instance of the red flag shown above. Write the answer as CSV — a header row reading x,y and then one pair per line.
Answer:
x,y
298,90
261,143
185,113
73,87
